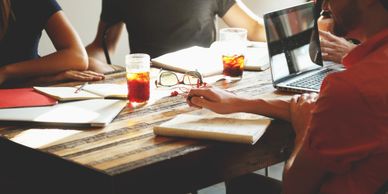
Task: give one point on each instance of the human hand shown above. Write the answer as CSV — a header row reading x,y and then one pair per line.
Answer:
x,y
334,48
70,75
215,99
300,113
79,76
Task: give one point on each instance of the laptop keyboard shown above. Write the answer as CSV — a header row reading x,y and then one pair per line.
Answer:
x,y
313,81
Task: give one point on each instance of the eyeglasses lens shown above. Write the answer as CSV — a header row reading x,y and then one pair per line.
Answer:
x,y
168,79
190,79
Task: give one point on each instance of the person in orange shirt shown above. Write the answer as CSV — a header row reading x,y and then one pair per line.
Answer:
x,y
341,143
334,48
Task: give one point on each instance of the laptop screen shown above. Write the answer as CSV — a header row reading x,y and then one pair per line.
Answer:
x,y
293,41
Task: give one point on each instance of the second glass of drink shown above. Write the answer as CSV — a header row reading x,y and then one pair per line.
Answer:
x,y
233,42
138,77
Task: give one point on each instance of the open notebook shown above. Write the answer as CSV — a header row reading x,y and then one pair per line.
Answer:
x,y
89,91
95,113
208,61
238,128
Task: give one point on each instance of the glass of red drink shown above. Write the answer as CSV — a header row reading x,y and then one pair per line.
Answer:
x,y
233,42
138,77
233,65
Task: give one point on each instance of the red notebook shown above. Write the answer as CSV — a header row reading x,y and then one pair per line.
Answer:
x,y
24,97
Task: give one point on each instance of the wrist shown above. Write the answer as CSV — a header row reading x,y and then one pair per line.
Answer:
x,y
245,105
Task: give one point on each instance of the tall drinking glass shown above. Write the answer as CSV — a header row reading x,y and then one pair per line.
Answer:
x,y
233,42
138,77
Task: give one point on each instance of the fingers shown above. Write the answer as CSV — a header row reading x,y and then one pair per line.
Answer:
x,y
84,75
328,36
200,102
334,58
327,50
295,99
206,93
91,75
304,98
328,44
332,51
197,93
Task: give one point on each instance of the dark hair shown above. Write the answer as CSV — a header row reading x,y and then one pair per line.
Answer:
x,y
385,4
6,13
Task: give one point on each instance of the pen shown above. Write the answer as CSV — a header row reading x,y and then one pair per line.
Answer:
x,y
80,88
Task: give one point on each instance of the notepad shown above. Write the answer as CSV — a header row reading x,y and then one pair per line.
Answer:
x,y
238,128
94,113
194,58
208,61
24,97
90,91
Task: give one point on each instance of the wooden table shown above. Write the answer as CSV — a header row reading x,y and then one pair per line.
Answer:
x,y
126,157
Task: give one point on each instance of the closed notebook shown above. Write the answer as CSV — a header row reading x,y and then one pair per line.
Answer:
x,y
238,128
82,113
89,91
195,58
24,97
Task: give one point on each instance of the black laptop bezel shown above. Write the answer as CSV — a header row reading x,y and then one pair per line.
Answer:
x,y
284,11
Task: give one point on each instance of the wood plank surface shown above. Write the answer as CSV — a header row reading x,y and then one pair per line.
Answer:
x,y
128,146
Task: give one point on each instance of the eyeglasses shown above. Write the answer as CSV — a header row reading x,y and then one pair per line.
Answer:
x,y
169,78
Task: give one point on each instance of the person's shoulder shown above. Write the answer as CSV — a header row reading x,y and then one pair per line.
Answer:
x,y
338,83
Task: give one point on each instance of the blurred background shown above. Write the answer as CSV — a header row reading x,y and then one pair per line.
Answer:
x,y
85,14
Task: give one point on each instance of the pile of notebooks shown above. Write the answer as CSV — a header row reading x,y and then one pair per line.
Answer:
x,y
62,106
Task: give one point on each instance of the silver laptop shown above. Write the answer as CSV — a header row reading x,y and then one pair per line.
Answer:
x,y
294,49
84,113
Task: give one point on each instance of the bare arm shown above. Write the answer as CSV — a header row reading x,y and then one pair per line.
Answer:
x,y
70,54
225,102
97,60
240,16
302,173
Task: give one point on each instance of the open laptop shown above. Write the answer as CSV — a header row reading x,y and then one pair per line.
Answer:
x,y
84,113
294,49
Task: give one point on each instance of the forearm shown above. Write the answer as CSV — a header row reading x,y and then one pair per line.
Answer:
x,y
95,52
111,35
66,59
240,16
257,32
271,108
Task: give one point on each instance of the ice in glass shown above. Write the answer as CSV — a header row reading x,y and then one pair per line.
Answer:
x,y
233,65
138,87
233,43
138,77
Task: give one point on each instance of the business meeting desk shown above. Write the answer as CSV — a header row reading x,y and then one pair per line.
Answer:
x,y
126,157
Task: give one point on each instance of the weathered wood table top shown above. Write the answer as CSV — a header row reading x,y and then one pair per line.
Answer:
x,y
126,157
